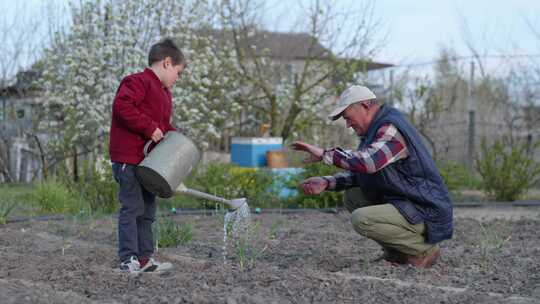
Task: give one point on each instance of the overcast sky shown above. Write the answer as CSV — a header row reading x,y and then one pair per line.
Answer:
x,y
416,29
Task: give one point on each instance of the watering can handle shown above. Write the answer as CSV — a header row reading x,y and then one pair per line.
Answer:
x,y
148,143
146,146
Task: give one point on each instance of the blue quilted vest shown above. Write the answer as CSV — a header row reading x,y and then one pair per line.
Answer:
x,y
413,185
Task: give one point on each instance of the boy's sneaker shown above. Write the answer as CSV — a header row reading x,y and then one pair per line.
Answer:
x,y
132,265
151,265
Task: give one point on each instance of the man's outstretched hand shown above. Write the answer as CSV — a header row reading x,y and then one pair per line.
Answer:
x,y
315,153
314,185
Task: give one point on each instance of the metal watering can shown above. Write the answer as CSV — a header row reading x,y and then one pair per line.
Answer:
x,y
164,169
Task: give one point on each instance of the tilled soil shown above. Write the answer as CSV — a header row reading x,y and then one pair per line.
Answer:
x,y
308,257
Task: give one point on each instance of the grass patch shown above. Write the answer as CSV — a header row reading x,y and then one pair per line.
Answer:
x,y
54,197
5,209
168,233
16,200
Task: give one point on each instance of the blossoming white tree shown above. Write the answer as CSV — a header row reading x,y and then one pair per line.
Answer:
x,y
108,40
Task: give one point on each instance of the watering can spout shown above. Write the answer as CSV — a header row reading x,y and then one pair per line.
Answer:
x,y
233,204
237,203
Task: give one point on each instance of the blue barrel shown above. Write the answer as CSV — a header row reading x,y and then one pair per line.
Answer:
x,y
251,151
283,176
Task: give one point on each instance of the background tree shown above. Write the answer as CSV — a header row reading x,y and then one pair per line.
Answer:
x,y
289,97
434,101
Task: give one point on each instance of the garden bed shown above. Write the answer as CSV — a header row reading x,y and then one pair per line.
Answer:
x,y
304,257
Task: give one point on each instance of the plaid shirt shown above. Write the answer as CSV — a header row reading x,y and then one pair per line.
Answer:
x,y
388,147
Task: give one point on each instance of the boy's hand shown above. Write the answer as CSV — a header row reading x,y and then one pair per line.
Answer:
x,y
157,135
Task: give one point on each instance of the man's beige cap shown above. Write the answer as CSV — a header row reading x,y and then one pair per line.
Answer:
x,y
353,94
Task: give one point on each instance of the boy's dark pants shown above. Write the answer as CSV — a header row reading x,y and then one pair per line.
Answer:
x,y
137,213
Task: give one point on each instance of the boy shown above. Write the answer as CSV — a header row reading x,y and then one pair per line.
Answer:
x,y
142,111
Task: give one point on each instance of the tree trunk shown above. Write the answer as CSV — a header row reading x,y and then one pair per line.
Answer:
x,y
75,165
289,121
274,116
44,166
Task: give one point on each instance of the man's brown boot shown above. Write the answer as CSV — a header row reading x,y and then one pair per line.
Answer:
x,y
425,261
393,256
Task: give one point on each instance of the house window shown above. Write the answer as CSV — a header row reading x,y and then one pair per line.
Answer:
x,y
289,73
20,113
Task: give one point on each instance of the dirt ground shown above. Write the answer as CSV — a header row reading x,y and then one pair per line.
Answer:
x,y
308,257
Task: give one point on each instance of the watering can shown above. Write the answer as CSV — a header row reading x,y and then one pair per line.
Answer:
x,y
164,169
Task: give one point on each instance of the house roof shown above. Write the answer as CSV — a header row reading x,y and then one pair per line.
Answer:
x,y
290,46
372,65
23,85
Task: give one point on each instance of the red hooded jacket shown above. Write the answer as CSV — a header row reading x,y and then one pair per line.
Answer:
x,y
141,105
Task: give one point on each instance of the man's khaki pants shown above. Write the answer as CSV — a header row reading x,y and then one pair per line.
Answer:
x,y
384,224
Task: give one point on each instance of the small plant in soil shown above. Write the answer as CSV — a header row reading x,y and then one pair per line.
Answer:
x,y
274,227
220,211
491,240
248,247
71,228
66,233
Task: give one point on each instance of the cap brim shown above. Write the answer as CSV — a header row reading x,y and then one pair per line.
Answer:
x,y
336,114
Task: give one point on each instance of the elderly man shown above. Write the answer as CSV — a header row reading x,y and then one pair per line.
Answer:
x,y
393,188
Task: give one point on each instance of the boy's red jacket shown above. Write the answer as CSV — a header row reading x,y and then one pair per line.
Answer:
x,y
141,105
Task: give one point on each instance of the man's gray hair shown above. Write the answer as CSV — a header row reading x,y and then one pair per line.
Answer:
x,y
369,103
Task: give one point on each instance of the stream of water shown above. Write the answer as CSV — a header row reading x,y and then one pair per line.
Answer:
x,y
238,221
